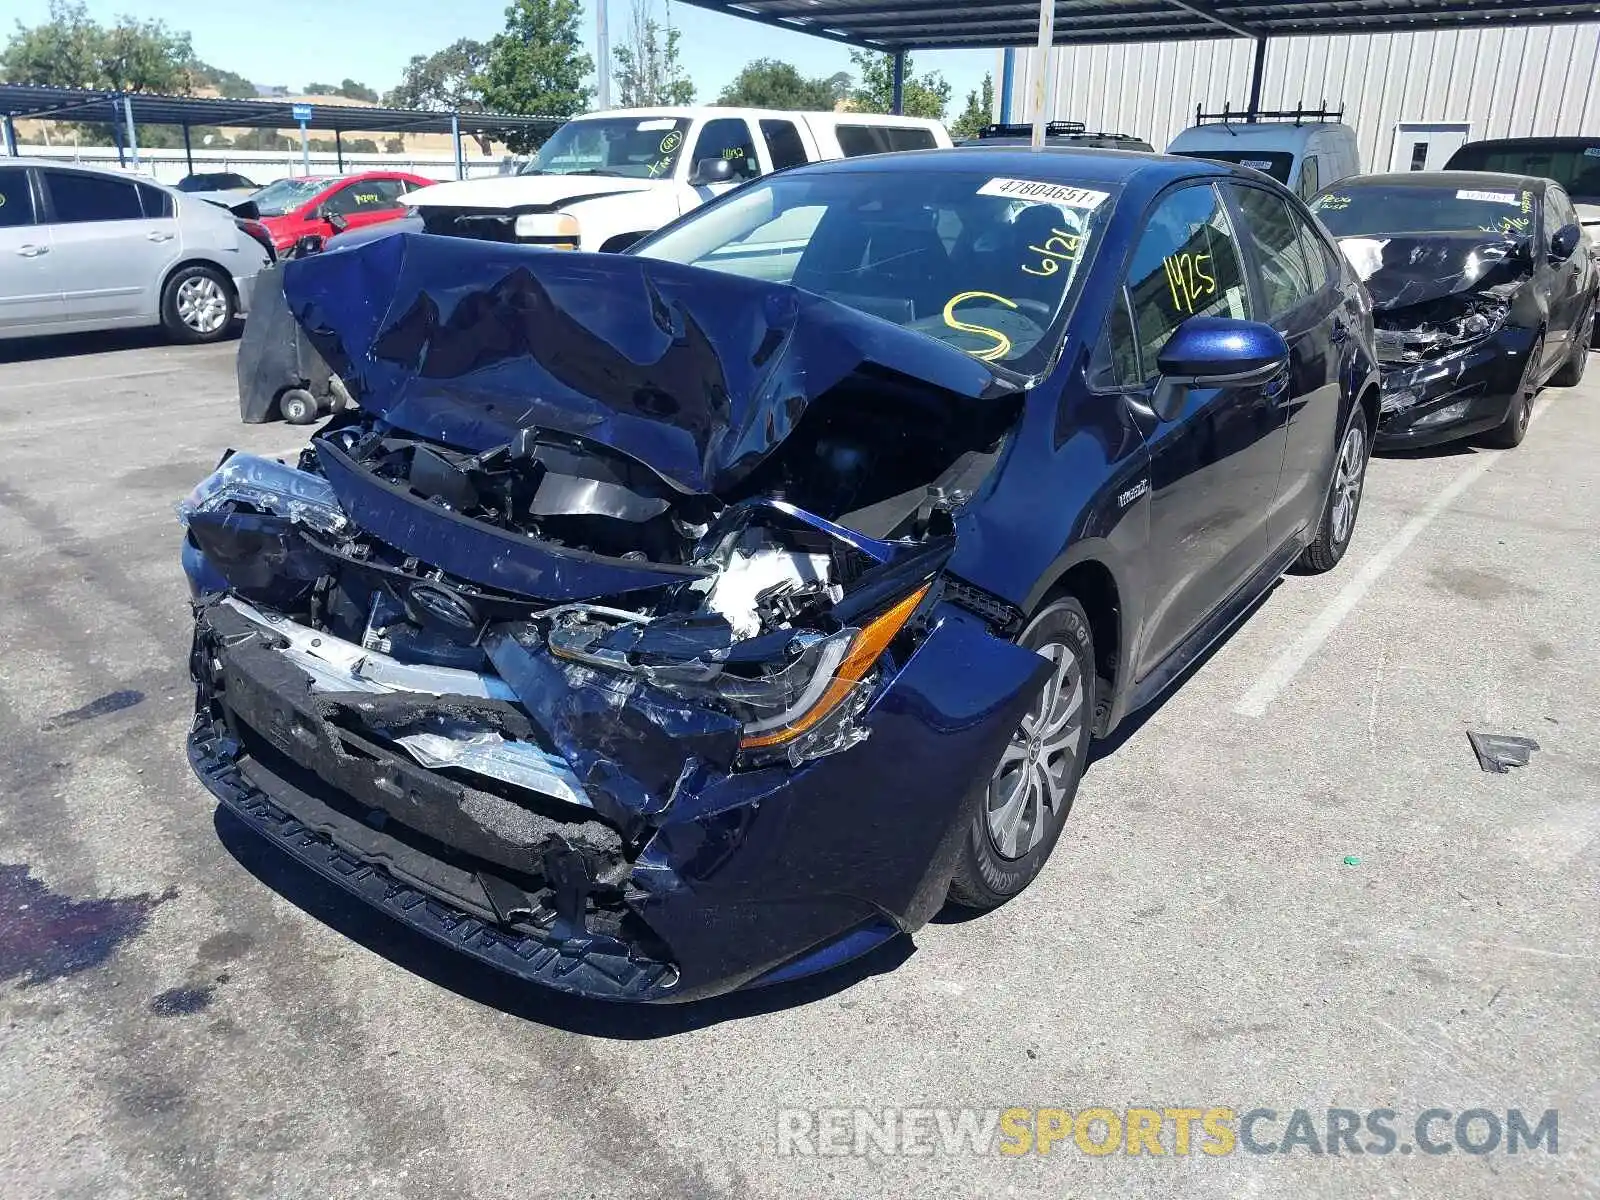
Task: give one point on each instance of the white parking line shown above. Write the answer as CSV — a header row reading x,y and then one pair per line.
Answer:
x,y
39,383
1287,665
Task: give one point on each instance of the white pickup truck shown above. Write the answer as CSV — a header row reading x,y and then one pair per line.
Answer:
x,y
605,180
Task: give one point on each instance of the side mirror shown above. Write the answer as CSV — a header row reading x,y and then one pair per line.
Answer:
x,y
307,244
1210,352
326,213
711,170
247,209
1564,241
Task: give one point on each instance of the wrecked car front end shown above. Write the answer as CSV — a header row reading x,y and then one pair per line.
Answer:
x,y
1455,326
612,642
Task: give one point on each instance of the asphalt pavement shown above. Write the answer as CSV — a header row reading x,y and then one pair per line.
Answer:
x,y
1290,887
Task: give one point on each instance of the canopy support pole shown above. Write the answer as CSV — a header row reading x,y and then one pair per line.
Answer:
x,y
11,138
133,136
455,136
1008,77
1257,71
898,103
338,149
188,150
1047,38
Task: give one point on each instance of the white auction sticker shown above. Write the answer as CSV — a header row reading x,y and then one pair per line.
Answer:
x,y
654,124
1049,193
1489,197
1259,164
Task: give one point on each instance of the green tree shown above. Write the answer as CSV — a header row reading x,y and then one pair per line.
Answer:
x,y
446,80
71,50
319,89
768,83
226,83
648,70
351,90
264,139
537,66
977,114
924,96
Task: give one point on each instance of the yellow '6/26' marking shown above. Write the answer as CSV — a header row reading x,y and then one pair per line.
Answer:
x,y
1188,279
1060,247
1002,344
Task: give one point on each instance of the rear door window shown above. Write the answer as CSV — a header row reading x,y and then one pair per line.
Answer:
x,y
1186,264
783,143
16,198
856,140
1310,178
1286,281
77,196
154,201
367,195
728,138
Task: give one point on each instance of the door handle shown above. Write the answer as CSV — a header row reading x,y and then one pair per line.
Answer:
x,y
32,251
155,235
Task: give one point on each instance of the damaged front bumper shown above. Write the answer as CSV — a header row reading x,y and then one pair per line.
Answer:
x,y
1456,395
579,827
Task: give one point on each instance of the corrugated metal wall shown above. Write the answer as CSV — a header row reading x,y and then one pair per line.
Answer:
x,y
1512,82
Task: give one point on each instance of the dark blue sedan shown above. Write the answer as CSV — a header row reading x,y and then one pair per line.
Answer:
x,y
700,617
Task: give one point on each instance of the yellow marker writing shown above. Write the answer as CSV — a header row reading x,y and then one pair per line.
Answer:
x,y
1002,346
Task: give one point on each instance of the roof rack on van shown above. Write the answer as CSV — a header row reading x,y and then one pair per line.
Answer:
x,y
1252,116
1051,129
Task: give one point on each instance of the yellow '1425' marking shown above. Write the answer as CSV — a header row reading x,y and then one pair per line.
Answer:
x,y
1189,280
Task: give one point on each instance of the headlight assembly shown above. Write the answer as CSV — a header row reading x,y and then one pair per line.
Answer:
x,y
272,487
554,231
800,709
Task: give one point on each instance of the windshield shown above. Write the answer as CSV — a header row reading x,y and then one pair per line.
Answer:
x,y
281,198
634,147
1272,162
1575,167
991,266
1356,210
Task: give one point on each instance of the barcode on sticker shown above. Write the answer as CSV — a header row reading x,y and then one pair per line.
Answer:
x,y
1048,193
1489,197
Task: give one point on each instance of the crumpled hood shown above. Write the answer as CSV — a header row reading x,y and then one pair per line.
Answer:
x,y
1406,269
698,374
517,191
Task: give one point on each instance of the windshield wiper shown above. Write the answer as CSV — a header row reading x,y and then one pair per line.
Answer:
x,y
598,171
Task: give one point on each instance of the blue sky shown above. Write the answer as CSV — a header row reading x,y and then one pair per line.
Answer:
x,y
295,41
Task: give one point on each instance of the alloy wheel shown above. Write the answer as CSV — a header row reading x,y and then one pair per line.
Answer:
x,y
1348,477
1030,786
201,304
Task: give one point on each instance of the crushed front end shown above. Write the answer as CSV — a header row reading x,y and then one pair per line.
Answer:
x,y
1454,331
568,711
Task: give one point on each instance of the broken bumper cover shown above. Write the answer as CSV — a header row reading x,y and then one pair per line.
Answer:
x,y
1455,396
745,877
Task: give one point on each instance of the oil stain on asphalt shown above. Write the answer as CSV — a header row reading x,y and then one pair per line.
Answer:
x,y
45,936
182,1001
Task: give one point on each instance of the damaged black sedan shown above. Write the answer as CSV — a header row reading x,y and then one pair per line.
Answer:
x,y
1483,290
704,616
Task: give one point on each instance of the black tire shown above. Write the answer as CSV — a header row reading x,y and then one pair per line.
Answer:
x,y
1342,505
298,406
987,874
198,304
1571,373
1509,433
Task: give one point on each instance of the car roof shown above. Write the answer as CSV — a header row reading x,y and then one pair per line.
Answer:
x,y
1051,164
1445,179
689,112
1556,143
1219,134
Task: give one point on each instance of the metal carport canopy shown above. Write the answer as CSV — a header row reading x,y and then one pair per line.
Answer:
x,y
123,110
899,26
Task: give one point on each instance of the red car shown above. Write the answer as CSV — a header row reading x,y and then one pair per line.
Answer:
x,y
329,204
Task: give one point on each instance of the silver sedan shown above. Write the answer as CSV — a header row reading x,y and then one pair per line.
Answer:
x,y
86,248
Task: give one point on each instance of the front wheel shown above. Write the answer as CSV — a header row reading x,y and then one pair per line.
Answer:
x,y
1344,498
1509,433
197,305
1019,813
